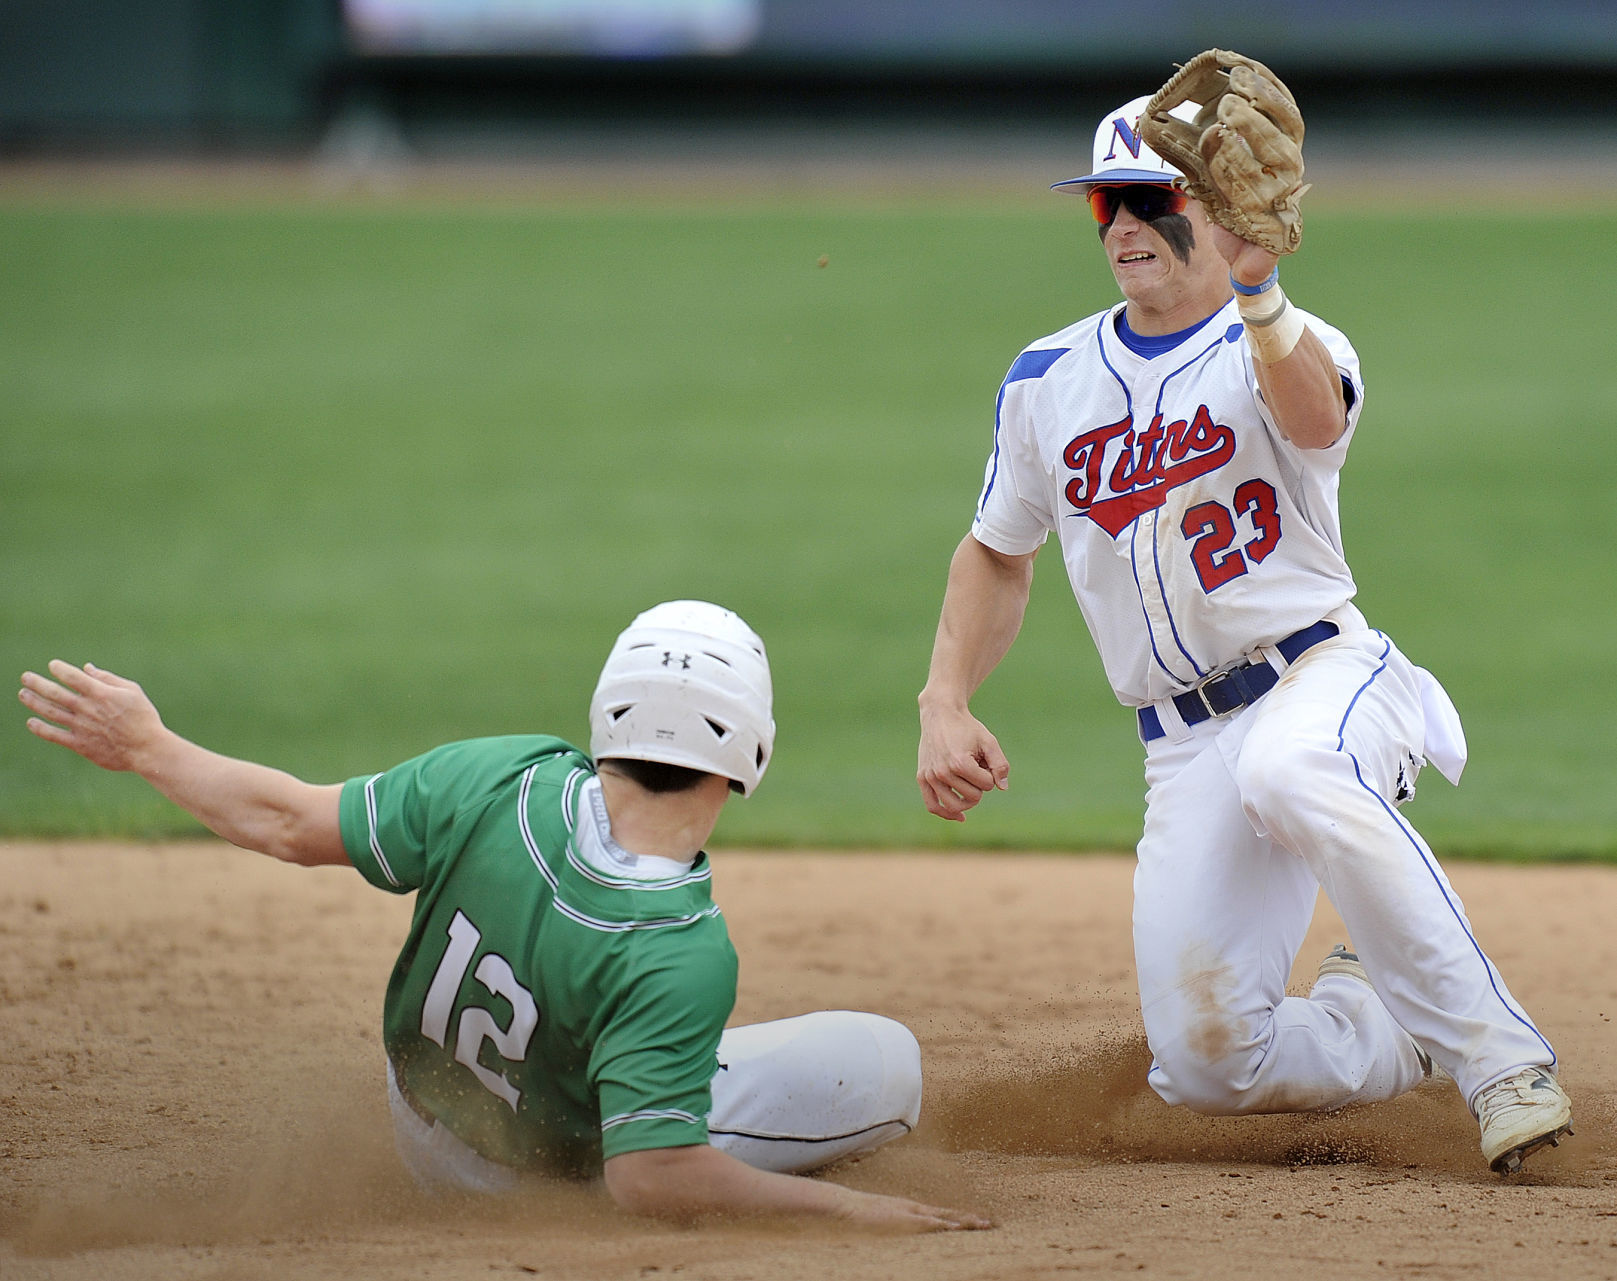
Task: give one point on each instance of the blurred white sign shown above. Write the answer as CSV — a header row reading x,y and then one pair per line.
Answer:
x,y
609,28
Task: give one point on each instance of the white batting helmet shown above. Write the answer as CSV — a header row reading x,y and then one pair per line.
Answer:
x,y
687,683
1121,154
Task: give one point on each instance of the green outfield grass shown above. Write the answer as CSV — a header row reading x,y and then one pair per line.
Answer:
x,y
340,483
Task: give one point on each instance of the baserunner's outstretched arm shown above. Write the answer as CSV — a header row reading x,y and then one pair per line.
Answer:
x,y
110,721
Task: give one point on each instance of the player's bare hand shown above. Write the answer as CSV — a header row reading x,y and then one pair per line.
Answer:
x,y
103,717
958,763
1249,263
899,1214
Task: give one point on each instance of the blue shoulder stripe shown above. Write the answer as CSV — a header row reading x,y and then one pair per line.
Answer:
x,y
1033,364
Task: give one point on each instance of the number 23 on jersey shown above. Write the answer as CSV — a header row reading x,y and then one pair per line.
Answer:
x,y
1213,528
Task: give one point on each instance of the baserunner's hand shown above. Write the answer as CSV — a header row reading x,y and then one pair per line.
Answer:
x,y
899,1214
103,717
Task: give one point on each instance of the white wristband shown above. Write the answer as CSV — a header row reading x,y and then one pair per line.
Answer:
x,y
1273,325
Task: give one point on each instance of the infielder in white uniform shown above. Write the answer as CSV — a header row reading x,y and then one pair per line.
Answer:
x,y
1184,448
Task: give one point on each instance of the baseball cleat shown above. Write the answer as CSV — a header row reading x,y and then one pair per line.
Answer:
x,y
1339,961
1520,1115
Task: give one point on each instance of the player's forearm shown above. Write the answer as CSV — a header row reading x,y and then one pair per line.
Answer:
x,y
698,1181
691,1182
1304,393
250,805
109,720
982,613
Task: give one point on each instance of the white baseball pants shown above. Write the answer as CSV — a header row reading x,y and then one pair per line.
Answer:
x,y
1247,817
789,1096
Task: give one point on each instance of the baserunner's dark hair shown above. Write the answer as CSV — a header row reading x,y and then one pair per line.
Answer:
x,y
657,776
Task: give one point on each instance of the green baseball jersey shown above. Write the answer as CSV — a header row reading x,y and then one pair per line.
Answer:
x,y
549,1013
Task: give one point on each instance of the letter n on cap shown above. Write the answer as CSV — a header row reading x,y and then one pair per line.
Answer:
x,y
1131,140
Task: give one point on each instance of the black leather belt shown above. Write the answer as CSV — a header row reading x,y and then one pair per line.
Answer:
x,y
1237,688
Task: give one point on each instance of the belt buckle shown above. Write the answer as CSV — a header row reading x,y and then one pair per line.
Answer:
x,y
1235,679
1200,691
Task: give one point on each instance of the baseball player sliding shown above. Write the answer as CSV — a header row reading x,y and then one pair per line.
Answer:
x,y
1184,447
560,1001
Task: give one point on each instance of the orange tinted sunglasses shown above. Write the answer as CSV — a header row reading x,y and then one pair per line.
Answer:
x,y
1145,201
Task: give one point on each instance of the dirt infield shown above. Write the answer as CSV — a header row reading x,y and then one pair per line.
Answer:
x,y
191,1087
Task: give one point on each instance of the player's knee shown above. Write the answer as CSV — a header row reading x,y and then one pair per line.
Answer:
x,y
820,1086
895,1072
1210,1068
902,1054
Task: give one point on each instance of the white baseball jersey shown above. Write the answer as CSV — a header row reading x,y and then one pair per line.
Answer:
x,y
1193,532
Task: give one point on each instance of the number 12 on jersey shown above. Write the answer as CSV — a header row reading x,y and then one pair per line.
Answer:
x,y
477,1024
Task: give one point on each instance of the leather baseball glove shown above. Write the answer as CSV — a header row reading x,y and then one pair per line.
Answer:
x,y
1242,155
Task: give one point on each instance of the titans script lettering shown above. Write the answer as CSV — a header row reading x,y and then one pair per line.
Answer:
x,y
1146,466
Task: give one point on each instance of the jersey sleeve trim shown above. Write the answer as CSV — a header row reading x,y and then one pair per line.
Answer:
x,y
376,844
650,1129
649,1114
359,823
997,542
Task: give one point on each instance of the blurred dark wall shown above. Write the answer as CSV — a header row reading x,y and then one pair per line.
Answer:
x,y
162,73
255,75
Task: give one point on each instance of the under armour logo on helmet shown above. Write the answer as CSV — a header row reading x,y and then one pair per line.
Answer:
x,y
671,659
